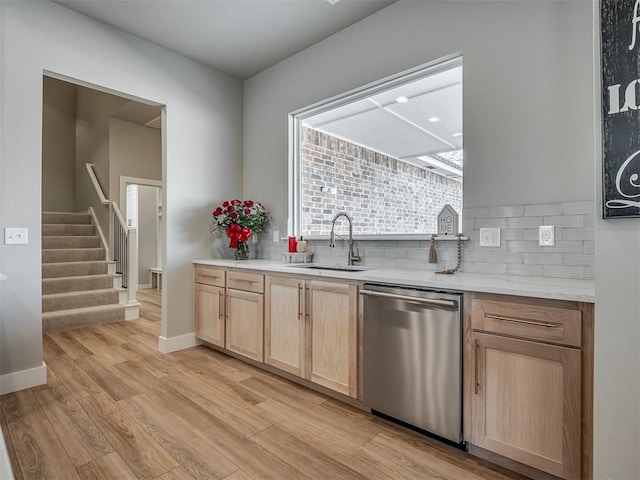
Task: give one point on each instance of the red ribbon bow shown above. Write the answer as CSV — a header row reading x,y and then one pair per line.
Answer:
x,y
237,234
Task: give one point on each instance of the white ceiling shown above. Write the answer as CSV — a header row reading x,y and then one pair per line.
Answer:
x,y
404,130
240,37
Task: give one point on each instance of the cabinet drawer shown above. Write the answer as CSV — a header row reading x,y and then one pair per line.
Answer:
x,y
209,276
535,322
249,282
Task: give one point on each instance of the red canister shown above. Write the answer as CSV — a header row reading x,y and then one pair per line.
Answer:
x,y
293,244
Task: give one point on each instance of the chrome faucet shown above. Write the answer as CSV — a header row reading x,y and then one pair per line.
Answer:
x,y
332,239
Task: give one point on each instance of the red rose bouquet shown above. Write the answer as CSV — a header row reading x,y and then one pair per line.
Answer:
x,y
240,219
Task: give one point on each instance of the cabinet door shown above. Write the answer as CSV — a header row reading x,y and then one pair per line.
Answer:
x,y
210,314
284,335
526,403
332,336
244,325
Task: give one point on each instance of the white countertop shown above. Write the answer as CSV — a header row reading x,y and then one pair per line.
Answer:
x,y
537,287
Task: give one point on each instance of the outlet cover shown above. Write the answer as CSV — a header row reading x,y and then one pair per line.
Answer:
x,y
16,236
489,237
546,236
276,236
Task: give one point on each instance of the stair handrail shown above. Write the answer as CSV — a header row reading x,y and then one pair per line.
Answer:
x,y
96,184
122,239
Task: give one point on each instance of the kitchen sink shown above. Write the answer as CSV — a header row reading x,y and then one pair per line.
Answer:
x,y
340,268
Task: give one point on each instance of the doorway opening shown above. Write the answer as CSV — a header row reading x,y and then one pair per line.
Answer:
x,y
92,138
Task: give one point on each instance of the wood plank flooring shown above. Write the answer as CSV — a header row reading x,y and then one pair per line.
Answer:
x,y
116,408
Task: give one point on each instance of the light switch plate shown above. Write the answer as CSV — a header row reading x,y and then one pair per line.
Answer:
x,y
16,236
546,236
489,237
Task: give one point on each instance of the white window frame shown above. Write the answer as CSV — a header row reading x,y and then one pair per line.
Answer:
x,y
295,136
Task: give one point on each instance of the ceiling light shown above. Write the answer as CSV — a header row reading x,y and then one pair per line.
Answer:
x,y
402,99
333,2
434,119
457,134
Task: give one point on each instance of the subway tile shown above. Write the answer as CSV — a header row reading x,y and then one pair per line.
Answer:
x,y
588,273
395,252
589,221
524,222
578,234
543,258
491,222
511,234
562,271
382,262
541,210
516,211
525,270
473,256
491,268
475,245
589,247
572,221
564,246
479,212
579,208
417,253
372,252
523,246
506,257
580,259
468,224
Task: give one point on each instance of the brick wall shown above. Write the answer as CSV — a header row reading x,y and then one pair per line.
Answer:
x,y
382,194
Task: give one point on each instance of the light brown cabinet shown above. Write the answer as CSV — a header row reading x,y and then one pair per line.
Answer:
x,y
229,310
525,390
244,311
209,305
311,331
284,319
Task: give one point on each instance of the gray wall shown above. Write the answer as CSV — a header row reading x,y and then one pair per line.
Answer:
x,y
92,146
530,107
134,151
203,152
527,126
58,146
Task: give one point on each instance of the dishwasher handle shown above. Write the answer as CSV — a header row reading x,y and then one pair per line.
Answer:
x,y
425,301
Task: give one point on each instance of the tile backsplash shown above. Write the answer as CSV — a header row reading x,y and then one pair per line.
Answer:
x,y
518,253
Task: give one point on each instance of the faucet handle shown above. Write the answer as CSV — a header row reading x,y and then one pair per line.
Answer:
x,y
356,257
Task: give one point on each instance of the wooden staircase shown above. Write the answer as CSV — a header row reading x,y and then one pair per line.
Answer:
x,y
79,287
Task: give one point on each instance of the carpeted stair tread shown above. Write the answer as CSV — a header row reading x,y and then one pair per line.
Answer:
x,y
73,269
64,230
65,217
59,255
69,241
81,317
77,283
69,300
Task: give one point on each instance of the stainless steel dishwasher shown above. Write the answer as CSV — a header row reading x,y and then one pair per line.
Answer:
x,y
413,357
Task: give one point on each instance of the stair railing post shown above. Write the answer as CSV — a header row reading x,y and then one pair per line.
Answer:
x,y
111,231
132,265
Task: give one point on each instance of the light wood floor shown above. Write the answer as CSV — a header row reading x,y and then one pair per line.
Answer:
x,y
115,408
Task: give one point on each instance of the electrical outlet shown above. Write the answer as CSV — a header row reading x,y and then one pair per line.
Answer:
x,y
276,236
489,237
546,236
16,236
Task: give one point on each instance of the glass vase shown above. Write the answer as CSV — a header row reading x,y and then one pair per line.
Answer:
x,y
242,251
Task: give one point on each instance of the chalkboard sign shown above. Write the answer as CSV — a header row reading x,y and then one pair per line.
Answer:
x,y
620,29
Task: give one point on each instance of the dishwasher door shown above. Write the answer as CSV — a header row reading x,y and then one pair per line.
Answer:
x,y
412,357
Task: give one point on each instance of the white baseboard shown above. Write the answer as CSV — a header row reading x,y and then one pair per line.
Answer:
x,y
173,344
32,377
